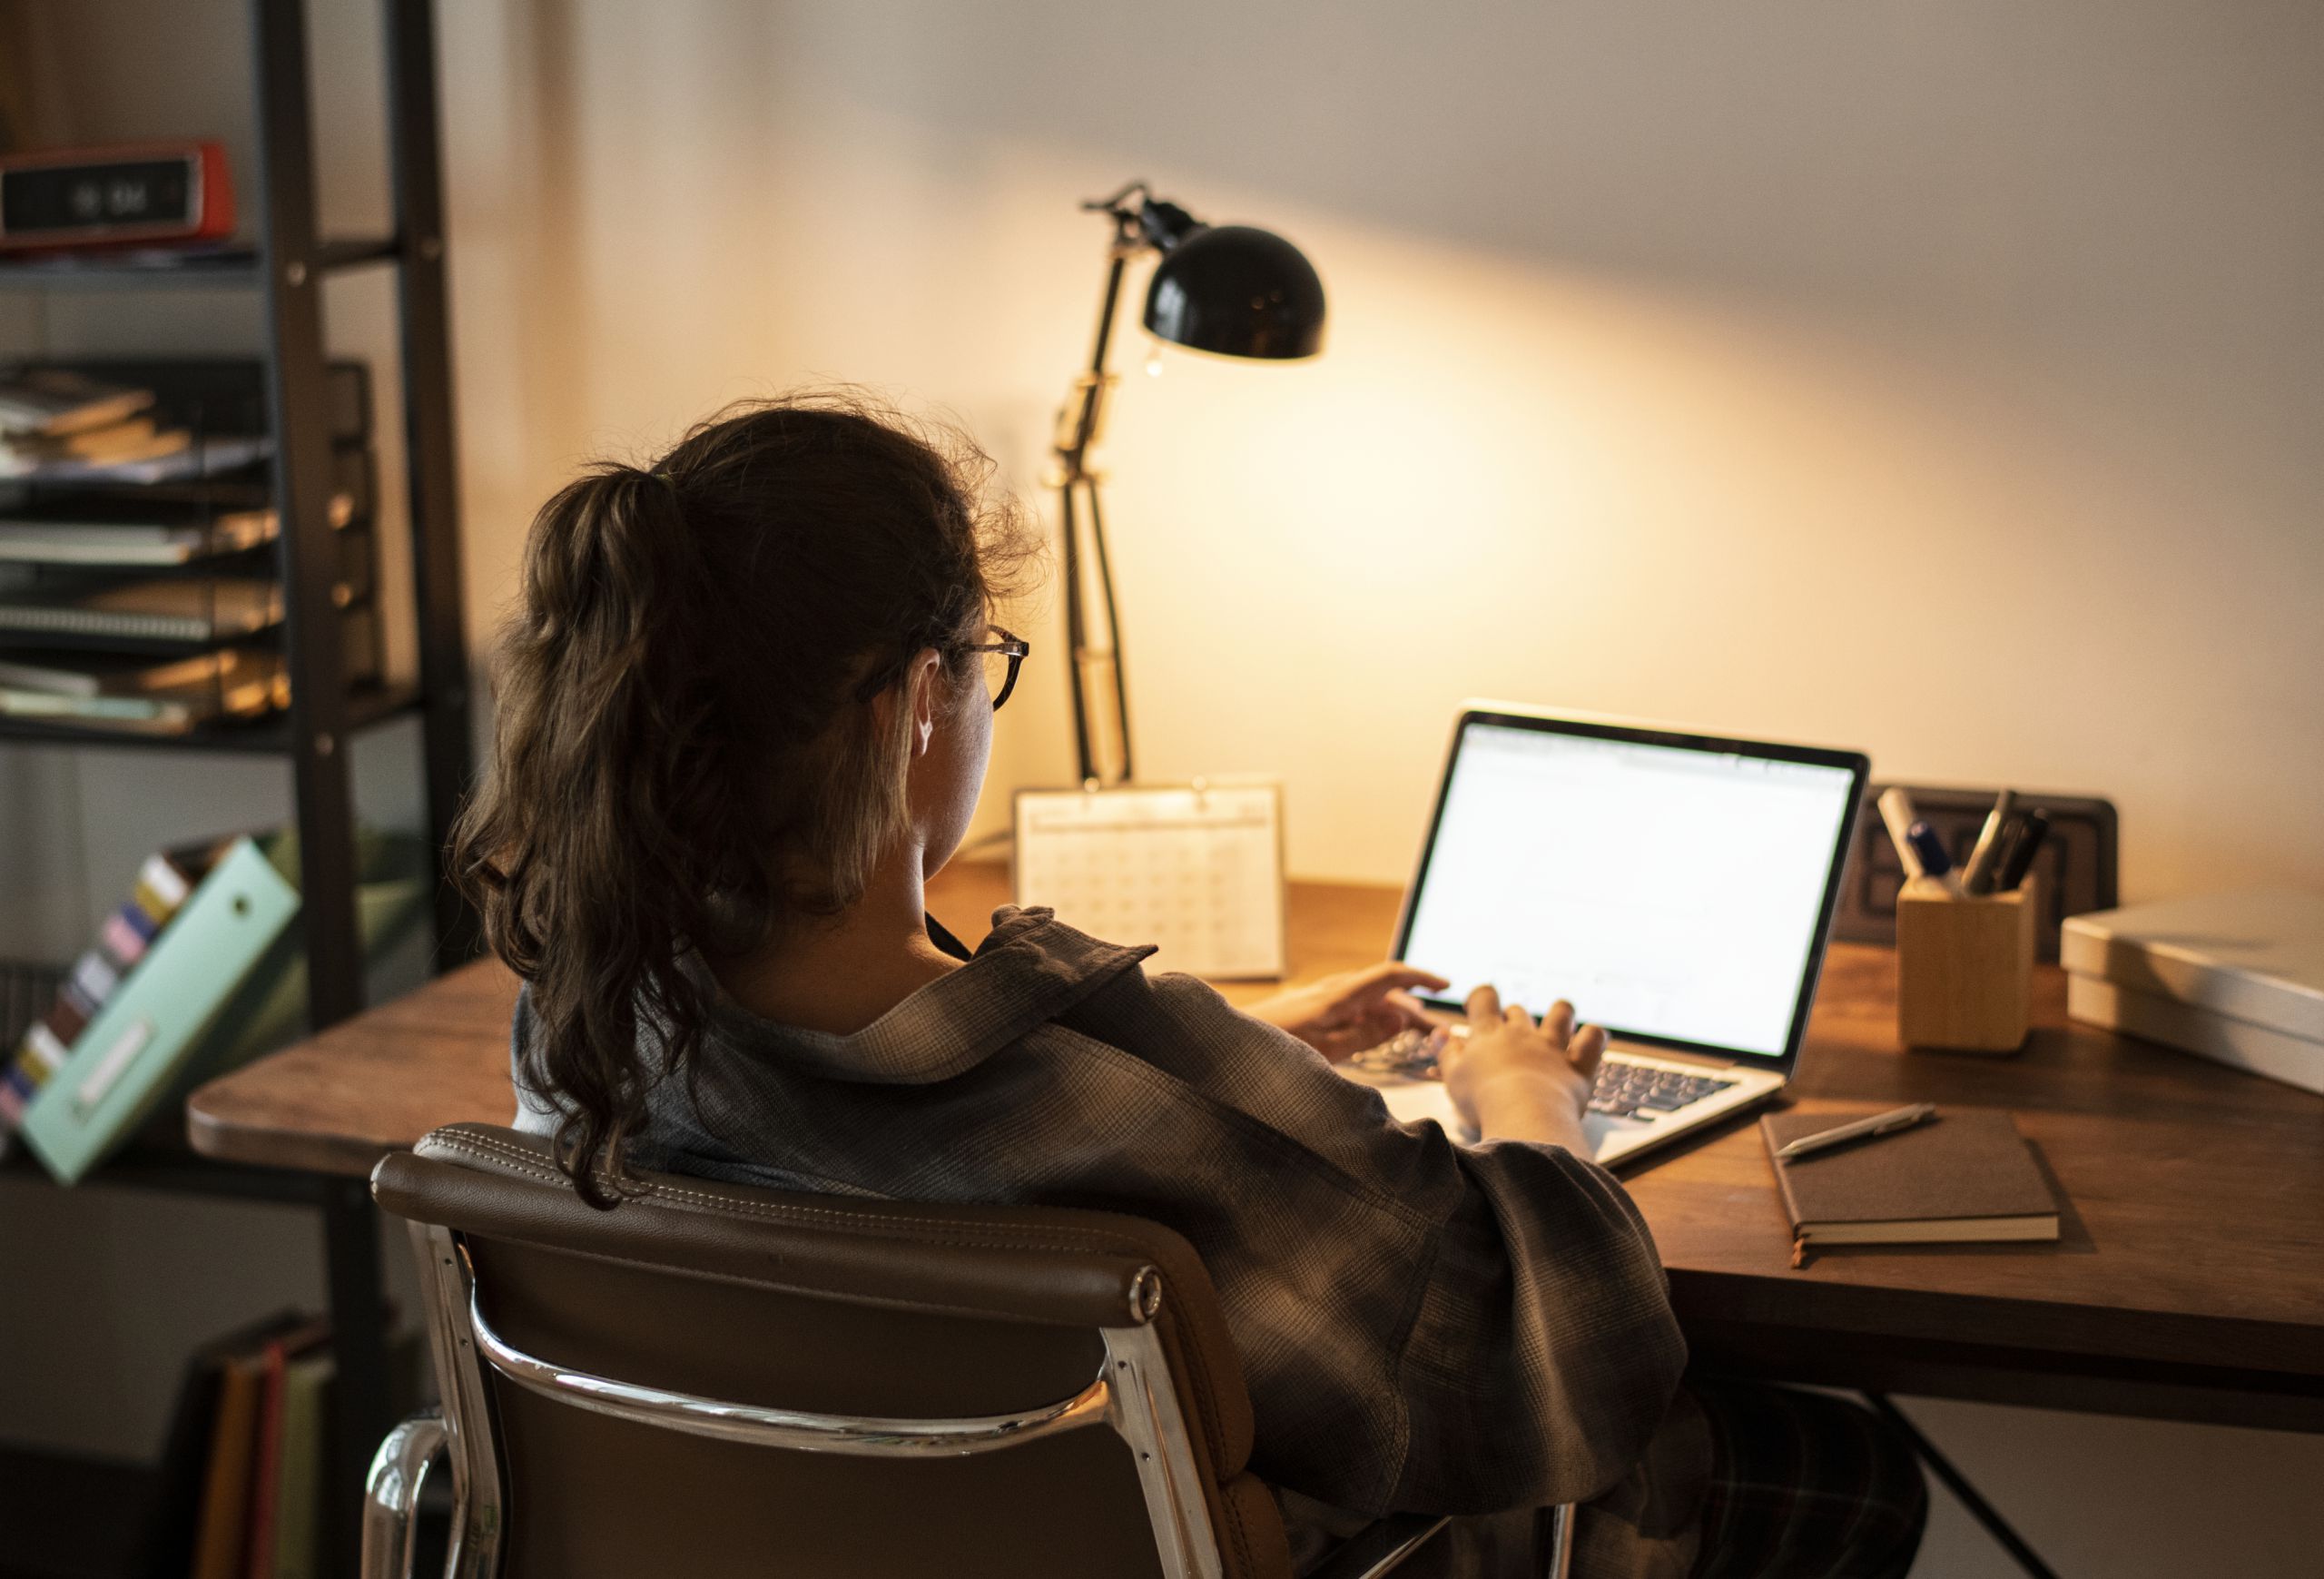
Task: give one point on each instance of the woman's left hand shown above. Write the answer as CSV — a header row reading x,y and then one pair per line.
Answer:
x,y
1340,1016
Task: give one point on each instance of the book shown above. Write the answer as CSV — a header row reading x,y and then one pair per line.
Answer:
x,y
117,674
167,461
166,1542
126,1063
55,401
221,1532
152,535
219,395
148,698
100,452
1963,1177
2256,955
206,609
129,436
298,1479
2175,1022
276,1354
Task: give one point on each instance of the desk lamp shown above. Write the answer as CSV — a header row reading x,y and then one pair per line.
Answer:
x,y
1230,289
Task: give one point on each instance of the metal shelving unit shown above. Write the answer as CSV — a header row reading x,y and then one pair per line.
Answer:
x,y
287,263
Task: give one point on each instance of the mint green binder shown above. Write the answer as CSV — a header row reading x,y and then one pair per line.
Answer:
x,y
128,1058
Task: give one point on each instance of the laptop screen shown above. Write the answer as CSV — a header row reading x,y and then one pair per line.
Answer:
x,y
1673,892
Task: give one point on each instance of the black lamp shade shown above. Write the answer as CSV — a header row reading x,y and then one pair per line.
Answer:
x,y
1237,290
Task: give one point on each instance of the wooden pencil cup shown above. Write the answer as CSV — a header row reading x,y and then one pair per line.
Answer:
x,y
1964,967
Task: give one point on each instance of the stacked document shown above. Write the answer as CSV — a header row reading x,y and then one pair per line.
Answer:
x,y
2235,977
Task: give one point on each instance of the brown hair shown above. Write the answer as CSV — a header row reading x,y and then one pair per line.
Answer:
x,y
691,753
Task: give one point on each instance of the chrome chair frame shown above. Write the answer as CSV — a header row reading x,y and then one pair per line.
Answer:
x,y
1130,1395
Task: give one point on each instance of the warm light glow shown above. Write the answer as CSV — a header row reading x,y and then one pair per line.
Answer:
x,y
1577,479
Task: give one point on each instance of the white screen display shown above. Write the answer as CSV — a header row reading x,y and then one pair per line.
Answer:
x,y
1664,892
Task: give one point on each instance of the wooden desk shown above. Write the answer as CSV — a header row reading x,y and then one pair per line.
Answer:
x,y
2189,1283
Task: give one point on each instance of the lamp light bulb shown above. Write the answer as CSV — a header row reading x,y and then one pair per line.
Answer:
x,y
1153,358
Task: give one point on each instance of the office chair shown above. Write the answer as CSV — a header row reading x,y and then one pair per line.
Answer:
x,y
713,1380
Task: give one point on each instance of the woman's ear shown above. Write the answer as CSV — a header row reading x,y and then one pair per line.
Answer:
x,y
926,678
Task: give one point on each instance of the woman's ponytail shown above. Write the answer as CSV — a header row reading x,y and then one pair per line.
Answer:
x,y
589,889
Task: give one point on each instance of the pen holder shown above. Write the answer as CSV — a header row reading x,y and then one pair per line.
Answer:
x,y
1964,967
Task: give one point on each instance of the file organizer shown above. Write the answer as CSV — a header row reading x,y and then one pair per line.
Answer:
x,y
127,1058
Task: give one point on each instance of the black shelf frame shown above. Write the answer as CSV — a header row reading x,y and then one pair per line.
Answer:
x,y
288,262
234,268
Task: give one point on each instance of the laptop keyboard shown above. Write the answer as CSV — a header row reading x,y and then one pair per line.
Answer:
x,y
1642,1090
1623,1089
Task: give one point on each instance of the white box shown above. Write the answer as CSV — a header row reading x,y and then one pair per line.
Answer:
x,y
2242,1044
2256,956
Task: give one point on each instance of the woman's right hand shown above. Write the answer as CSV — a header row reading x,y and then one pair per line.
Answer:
x,y
1516,1080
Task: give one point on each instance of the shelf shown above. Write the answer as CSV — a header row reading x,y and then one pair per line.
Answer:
x,y
269,736
142,1166
158,1159
69,1516
224,269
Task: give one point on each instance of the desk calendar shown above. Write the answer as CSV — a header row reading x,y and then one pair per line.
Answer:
x,y
1196,870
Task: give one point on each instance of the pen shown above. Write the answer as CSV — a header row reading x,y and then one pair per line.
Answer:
x,y
1977,877
1896,811
2032,830
1886,1123
1936,864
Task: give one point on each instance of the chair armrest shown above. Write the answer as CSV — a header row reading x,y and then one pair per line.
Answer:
x,y
391,1494
1380,1547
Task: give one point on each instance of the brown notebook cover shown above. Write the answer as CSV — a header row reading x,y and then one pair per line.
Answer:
x,y
1962,1177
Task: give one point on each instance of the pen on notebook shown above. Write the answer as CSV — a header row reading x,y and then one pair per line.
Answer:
x,y
1977,876
1886,1123
1936,864
1896,811
2032,830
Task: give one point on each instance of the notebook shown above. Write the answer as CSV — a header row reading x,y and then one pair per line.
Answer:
x,y
147,698
156,534
202,609
1963,1177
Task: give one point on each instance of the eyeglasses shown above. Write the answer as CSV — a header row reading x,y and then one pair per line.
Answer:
x,y
1000,660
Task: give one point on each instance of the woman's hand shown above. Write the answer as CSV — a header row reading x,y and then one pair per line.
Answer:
x,y
1341,1015
1517,1080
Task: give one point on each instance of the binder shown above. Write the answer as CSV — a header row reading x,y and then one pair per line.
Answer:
x,y
127,1060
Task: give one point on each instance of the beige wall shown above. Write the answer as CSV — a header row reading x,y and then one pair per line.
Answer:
x,y
1945,380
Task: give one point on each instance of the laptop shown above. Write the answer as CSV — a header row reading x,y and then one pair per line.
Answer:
x,y
1677,888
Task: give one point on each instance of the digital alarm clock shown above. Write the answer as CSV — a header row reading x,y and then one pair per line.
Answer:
x,y
128,194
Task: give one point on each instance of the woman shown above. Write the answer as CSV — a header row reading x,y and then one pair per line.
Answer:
x,y
745,710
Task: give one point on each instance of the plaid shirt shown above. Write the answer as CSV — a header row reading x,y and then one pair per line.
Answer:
x,y
1423,1326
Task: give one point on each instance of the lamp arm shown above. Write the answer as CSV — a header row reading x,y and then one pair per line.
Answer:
x,y
1078,425
1083,418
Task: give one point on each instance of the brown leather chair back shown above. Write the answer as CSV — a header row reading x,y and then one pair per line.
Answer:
x,y
710,1380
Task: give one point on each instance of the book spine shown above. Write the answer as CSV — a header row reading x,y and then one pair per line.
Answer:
x,y
265,1466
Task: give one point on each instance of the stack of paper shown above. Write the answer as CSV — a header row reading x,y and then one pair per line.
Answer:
x,y
54,422
2235,977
